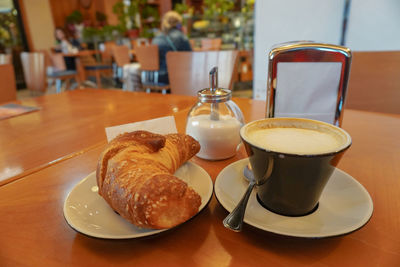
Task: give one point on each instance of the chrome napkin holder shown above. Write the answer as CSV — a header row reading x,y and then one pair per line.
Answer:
x,y
307,51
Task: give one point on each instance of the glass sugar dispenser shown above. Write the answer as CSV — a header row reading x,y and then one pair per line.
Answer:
x,y
215,121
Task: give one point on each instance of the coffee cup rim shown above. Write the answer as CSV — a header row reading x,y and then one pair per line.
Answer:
x,y
345,145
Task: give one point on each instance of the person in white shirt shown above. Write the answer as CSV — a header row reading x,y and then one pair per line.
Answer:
x,y
64,46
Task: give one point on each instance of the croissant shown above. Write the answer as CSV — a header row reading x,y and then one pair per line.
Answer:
x,y
135,176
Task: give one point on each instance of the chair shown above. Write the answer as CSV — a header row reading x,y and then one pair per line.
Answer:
x,y
148,59
107,54
88,66
34,65
121,56
208,44
60,71
136,43
139,42
5,59
374,83
8,89
188,72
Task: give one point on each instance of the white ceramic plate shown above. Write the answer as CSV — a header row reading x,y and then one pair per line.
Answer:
x,y
344,206
88,213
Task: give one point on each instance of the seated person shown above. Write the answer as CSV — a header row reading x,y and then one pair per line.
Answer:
x,y
65,46
171,39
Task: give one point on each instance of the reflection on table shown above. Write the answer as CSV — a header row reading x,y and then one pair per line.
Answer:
x,y
46,153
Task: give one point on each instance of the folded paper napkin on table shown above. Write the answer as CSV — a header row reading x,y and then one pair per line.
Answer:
x,y
163,125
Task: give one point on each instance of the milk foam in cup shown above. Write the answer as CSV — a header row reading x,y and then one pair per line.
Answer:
x,y
294,140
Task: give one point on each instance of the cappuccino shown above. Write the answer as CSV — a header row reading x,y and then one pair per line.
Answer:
x,y
291,184
301,137
294,140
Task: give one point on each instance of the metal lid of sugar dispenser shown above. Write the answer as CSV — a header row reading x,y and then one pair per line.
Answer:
x,y
214,94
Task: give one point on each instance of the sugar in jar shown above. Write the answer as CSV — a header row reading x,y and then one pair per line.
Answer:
x,y
215,121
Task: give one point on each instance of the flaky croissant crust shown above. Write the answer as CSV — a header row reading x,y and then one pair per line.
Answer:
x,y
135,176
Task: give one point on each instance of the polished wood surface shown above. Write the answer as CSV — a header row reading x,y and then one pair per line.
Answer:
x,y
8,89
72,121
31,207
374,83
188,72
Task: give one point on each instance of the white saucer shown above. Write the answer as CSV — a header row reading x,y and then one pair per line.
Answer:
x,y
345,206
88,213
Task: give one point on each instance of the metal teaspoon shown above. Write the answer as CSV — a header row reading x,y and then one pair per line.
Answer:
x,y
234,221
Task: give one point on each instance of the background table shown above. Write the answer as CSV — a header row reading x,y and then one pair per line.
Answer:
x,y
34,232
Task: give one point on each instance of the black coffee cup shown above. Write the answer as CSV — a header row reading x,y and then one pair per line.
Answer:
x,y
292,160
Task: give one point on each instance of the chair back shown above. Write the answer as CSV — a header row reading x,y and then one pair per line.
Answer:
x,y
34,67
86,58
106,55
374,83
5,59
121,55
188,72
8,89
211,44
57,61
139,42
147,56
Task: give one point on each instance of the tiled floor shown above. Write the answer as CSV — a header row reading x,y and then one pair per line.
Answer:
x,y
25,93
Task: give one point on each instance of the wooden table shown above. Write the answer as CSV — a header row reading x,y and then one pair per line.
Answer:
x,y
73,122
34,232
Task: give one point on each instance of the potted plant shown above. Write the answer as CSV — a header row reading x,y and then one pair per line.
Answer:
x,y
217,8
150,20
128,17
101,19
74,23
187,13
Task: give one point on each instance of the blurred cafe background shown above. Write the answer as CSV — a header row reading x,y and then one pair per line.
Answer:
x,y
69,69
93,28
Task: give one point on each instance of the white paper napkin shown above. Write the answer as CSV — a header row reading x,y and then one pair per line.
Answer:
x,y
163,125
307,90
